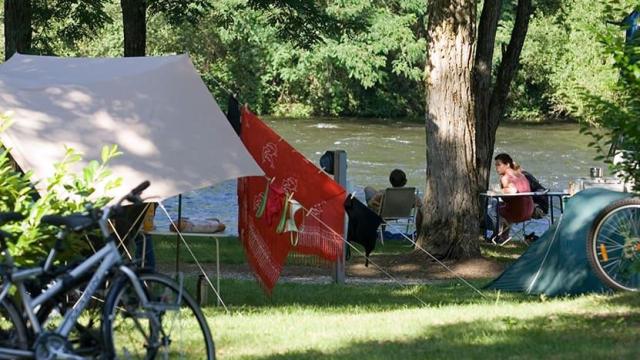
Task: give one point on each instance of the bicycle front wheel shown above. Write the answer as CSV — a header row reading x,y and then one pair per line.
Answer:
x,y
13,332
172,326
613,245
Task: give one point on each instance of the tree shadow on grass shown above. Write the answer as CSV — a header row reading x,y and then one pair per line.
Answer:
x,y
506,254
564,336
243,294
631,299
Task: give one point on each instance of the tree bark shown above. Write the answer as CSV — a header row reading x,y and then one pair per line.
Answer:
x,y
134,21
17,27
450,226
482,82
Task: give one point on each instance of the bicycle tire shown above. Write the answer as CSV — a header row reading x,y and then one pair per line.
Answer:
x,y
130,334
613,245
13,331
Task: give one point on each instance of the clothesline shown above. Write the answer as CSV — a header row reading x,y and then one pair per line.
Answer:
x,y
417,246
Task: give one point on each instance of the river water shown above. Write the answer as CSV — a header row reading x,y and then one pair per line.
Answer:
x,y
555,154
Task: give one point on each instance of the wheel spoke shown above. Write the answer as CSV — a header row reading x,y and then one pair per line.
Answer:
x,y
177,326
613,245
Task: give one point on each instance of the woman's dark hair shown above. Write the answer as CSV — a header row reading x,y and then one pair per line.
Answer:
x,y
506,159
398,178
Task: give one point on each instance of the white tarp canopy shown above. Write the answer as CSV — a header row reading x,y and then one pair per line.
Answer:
x,y
156,109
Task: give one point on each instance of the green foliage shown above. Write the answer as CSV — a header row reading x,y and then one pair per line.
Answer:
x,y
301,22
65,192
369,62
178,12
58,25
561,56
343,57
15,190
617,118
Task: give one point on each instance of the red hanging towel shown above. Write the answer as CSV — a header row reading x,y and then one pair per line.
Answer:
x,y
321,228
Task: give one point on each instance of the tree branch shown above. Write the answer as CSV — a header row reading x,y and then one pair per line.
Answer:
x,y
509,65
483,63
482,83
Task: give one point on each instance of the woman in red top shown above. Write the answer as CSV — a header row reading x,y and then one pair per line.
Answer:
x,y
514,208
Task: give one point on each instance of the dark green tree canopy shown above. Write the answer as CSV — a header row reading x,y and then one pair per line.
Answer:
x,y
62,23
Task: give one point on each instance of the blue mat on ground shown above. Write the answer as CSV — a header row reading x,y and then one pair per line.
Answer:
x,y
556,264
388,235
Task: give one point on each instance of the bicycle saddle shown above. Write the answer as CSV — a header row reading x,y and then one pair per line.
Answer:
x,y
73,222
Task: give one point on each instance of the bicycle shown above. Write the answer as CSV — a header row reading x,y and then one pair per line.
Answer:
x,y
613,245
139,305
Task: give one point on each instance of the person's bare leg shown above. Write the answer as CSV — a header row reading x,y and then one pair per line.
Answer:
x,y
505,229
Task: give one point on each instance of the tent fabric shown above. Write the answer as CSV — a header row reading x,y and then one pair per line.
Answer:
x,y
556,264
156,109
321,229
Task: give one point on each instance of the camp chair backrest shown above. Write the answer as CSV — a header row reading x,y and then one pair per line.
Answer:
x,y
398,203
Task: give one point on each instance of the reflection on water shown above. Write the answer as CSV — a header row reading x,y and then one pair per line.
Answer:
x,y
554,154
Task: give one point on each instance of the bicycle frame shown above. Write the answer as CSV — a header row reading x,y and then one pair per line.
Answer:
x,y
107,257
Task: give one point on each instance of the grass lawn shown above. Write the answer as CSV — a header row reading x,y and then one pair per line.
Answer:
x,y
387,322
306,321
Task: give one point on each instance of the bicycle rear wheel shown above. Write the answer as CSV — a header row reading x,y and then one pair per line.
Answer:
x,y
613,245
13,332
173,326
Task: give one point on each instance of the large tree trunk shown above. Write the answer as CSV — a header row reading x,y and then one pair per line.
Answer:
x,y
17,27
450,226
134,21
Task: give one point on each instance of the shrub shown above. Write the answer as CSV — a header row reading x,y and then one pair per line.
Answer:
x,y
616,120
66,192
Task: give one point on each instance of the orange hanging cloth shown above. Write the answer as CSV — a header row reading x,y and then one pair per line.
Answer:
x,y
322,226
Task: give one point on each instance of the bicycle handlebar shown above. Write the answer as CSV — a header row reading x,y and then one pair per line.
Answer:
x,y
138,189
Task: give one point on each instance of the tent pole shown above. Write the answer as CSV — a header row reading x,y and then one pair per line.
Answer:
x,y
178,233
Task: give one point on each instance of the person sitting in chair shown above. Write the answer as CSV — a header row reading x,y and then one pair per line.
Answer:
x,y
398,179
513,209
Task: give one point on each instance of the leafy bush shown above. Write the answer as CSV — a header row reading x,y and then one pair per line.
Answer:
x,y
617,119
66,193
560,57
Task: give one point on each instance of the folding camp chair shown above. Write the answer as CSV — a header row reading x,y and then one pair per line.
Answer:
x,y
519,229
398,204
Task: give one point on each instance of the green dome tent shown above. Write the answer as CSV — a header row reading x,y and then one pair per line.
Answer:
x,y
556,264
